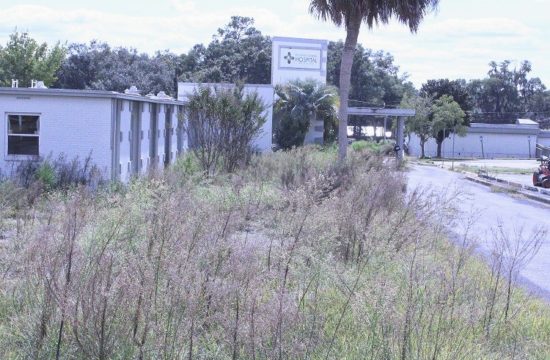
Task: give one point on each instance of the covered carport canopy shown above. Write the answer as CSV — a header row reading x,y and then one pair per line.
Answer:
x,y
400,114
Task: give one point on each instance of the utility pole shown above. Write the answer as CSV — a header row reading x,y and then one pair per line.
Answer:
x,y
482,150
453,158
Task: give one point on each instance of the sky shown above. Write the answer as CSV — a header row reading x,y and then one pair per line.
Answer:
x,y
456,41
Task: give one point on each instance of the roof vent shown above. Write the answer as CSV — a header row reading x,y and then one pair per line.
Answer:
x,y
162,95
133,90
35,84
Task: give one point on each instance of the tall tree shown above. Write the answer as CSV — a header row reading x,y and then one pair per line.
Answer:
x,y
448,118
375,79
421,124
455,89
238,53
97,66
351,13
24,59
507,93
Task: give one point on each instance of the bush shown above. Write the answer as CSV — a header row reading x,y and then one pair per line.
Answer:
x,y
46,175
360,145
381,148
59,173
186,167
222,125
290,132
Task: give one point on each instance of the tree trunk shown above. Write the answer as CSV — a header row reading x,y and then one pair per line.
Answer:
x,y
352,32
422,146
439,149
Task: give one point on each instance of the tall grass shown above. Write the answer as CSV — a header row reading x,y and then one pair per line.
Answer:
x,y
294,257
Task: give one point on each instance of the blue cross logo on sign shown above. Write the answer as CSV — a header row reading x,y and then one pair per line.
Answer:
x,y
289,58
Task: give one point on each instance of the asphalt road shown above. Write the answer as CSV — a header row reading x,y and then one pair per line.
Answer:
x,y
489,209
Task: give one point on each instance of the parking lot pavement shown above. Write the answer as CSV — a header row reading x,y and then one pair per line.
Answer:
x,y
493,210
519,179
499,163
519,171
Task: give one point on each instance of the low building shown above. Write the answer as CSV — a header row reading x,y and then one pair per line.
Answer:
x,y
517,140
543,138
124,134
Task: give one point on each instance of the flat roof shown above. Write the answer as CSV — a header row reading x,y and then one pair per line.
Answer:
x,y
84,93
526,122
299,40
381,111
503,128
224,84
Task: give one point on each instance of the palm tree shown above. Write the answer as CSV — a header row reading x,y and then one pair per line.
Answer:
x,y
351,13
298,104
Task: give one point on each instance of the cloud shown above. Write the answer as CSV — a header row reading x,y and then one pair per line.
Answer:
x,y
147,33
480,27
448,44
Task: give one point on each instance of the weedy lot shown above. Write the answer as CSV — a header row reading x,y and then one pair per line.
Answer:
x,y
293,257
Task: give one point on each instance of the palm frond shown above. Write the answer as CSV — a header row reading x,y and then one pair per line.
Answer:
x,y
373,12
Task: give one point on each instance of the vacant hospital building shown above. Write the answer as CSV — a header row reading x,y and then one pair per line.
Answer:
x,y
124,134
127,134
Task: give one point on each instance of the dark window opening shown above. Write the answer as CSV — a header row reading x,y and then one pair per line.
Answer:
x,y
23,134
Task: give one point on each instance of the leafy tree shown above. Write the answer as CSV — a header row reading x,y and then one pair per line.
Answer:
x,y
298,103
507,93
351,14
448,117
97,66
375,79
457,90
238,53
222,123
24,59
421,124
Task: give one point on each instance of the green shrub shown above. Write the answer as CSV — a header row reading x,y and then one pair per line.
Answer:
x,y
46,175
186,168
381,148
57,173
360,145
222,124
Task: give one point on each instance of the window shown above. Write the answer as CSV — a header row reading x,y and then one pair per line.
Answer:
x,y
23,133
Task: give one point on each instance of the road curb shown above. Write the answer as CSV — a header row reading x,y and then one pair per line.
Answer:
x,y
511,187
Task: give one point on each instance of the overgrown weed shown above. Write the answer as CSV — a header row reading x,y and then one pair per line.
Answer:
x,y
296,256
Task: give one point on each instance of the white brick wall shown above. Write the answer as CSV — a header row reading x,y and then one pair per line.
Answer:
x,y
69,125
145,140
124,159
174,135
161,136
